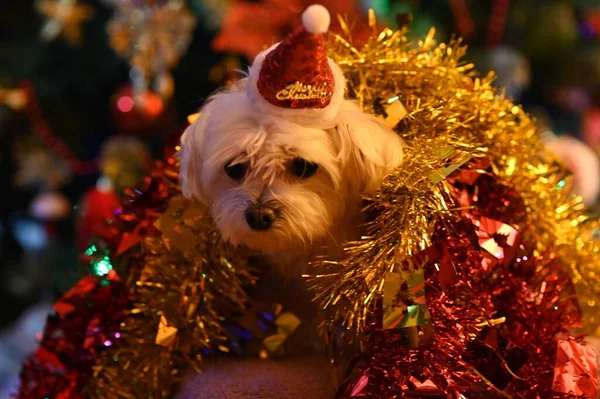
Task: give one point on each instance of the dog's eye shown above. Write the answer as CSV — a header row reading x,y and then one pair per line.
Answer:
x,y
236,171
303,168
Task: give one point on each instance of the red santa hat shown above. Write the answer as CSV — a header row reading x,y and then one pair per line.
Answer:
x,y
294,79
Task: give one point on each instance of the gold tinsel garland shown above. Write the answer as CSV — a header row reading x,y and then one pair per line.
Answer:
x,y
453,117
183,284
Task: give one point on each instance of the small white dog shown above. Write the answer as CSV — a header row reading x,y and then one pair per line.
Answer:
x,y
286,178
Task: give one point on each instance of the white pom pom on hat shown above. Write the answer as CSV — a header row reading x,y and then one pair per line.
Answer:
x,y
316,19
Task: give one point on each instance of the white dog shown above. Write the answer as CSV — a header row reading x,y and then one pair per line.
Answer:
x,y
277,182
278,186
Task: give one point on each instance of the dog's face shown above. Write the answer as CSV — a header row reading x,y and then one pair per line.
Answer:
x,y
275,185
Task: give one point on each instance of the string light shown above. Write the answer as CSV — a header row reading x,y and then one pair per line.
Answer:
x,y
497,22
99,261
125,104
65,18
43,131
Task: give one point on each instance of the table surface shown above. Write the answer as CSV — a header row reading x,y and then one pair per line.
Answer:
x,y
302,377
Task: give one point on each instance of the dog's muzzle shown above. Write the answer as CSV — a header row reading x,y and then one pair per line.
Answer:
x,y
260,217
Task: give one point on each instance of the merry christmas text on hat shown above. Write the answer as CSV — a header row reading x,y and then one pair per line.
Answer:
x,y
297,74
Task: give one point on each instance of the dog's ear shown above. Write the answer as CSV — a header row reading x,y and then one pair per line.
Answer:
x,y
225,110
190,158
369,149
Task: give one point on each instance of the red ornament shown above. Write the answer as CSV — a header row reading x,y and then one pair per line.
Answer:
x,y
138,113
97,216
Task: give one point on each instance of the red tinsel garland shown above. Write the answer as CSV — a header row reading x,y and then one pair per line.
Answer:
x,y
86,319
528,301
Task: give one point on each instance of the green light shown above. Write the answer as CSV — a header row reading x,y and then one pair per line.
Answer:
x,y
102,267
411,309
90,251
561,184
380,7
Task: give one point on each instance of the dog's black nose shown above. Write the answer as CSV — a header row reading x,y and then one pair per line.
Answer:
x,y
260,217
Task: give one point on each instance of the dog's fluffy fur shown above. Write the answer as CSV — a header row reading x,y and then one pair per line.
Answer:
x,y
354,152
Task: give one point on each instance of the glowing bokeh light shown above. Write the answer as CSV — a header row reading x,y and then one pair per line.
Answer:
x,y
125,104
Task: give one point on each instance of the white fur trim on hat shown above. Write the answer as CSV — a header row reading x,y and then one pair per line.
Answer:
x,y
305,116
